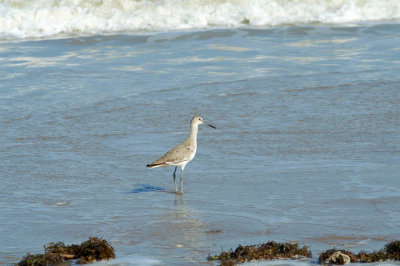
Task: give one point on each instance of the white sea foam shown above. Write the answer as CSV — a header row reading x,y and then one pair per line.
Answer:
x,y
41,18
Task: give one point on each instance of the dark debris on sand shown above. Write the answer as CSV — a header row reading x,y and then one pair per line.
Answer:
x,y
267,251
391,251
94,249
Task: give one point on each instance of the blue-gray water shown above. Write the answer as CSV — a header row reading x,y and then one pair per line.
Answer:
x,y
307,146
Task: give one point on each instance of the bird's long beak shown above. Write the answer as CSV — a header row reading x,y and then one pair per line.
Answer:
x,y
210,125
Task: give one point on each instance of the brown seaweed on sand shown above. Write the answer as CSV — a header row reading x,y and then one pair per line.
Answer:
x,y
94,249
267,251
391,251
334,256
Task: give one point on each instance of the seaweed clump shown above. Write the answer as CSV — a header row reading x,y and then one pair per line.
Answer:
x,y
391,251
267,251
94,249
32,260
334,256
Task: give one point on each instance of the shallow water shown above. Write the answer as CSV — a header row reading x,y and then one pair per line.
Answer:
x,y
306,148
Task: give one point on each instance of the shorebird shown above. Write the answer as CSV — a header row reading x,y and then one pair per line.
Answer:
x,y
183,153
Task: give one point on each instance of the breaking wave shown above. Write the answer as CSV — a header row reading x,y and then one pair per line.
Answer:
x,y
44,18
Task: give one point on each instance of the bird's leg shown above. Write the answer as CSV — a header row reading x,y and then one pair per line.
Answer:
x,y
174,176
180,177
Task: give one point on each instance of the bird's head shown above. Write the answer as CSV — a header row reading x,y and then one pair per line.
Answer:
x,y
197,120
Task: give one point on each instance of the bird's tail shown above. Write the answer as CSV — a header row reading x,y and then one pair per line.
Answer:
x,y
154,165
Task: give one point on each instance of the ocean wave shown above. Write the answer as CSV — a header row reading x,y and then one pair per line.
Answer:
x,y
43,18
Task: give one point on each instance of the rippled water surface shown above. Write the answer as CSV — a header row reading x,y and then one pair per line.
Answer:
x,y
307,145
